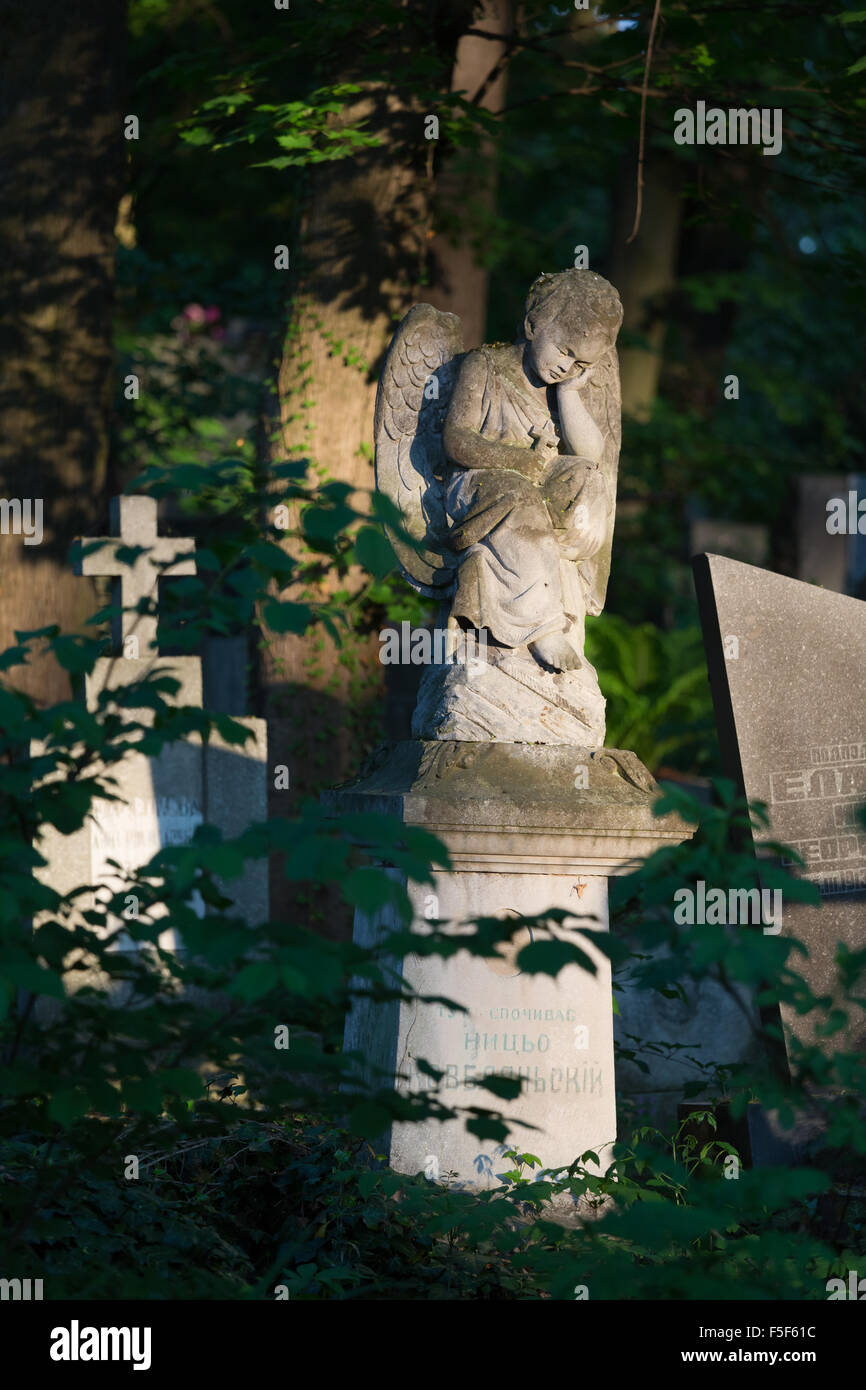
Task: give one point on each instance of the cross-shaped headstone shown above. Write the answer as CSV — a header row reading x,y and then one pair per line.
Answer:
x,y
133,523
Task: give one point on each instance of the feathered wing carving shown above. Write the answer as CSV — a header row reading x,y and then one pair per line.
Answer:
x,y
411,404
602,399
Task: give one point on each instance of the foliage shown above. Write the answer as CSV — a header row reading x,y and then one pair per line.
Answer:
x,y
771,249
256,1169
250,1180
80,1095
655,683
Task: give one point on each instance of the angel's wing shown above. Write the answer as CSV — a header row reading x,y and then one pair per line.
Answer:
x,y
602,399
411,403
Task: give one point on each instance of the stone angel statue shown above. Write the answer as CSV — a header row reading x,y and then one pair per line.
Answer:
x,y
502,463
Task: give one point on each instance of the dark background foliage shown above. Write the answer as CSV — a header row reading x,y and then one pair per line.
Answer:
x,y
154,258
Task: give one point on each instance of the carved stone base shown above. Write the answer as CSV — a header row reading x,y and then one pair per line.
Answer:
x,y
497,804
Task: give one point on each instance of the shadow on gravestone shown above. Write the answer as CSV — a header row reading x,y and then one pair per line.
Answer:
x,y
224,674
168,797
165,799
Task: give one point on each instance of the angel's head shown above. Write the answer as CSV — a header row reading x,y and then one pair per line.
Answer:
x,y
571,320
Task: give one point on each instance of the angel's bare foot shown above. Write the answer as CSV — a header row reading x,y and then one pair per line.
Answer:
x,y
556,652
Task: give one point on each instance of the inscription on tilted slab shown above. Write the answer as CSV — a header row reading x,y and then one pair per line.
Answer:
x,y
814,810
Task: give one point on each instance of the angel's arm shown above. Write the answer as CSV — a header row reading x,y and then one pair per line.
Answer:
x,y
463,443
580,432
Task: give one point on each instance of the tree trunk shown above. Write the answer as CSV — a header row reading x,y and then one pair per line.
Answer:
x,y
61,172
362,244
707,248
644,272
467,184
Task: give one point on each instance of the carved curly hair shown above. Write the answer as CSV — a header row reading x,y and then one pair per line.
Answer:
x,y
578,299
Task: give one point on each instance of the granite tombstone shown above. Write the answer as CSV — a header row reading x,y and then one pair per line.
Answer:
x,y
787,664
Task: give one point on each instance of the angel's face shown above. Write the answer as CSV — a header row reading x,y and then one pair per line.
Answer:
x,y
556,355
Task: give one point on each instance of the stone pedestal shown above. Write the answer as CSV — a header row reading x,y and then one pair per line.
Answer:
x,y
529,827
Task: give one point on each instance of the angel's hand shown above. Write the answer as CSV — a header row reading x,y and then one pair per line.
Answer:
x,y
545,444
579,379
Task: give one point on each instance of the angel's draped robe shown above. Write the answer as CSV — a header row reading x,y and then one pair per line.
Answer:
x,y
521,576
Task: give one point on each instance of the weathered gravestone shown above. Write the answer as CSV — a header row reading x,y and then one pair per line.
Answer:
x,y
831,531
787,665
739,540
163,798
502,463
709,1027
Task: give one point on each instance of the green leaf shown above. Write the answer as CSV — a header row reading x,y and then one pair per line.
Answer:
x,y
374,552
325,523
182,1082
549,957
369,1120
287,617
254,980
144,1094
68,1106
197,135
370,889
27,974
367,1184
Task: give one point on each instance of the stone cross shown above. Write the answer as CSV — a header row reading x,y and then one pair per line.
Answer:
x,y
133,523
